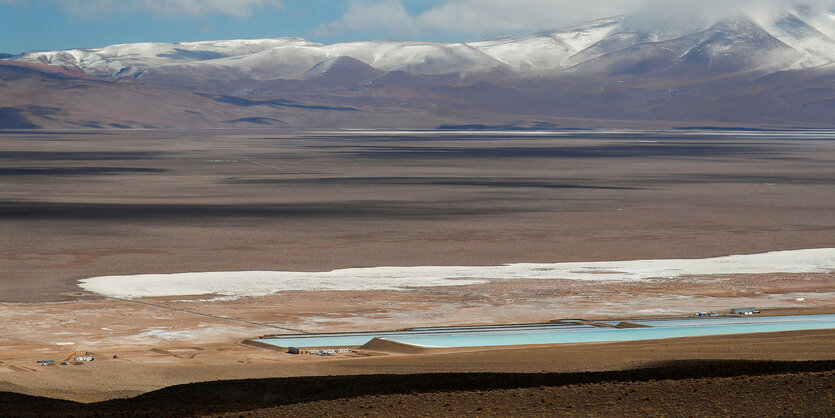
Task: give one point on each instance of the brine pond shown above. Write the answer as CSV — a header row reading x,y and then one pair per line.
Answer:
x,y
568,331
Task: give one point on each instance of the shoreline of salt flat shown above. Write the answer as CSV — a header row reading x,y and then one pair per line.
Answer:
x,y
263,283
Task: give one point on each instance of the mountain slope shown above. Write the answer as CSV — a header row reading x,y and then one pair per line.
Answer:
x,y
31,98
342,71
776,71
731,46
786,41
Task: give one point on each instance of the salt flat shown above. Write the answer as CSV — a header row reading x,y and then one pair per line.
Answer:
x,y
262,283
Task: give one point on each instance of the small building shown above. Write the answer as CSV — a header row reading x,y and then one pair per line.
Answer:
x,y
322,352
744,311
85,358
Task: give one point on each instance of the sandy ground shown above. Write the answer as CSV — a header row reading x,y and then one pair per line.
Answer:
x,y
138,371
165,341
80,205
93,323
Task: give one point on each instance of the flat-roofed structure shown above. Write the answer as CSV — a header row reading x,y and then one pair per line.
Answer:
x,y
744,311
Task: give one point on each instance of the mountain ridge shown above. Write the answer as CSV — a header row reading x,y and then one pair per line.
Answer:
x,y
528,55
740,71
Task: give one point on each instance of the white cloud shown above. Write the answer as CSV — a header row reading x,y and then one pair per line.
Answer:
x,y
387,16
164,7
710,11
478,18
471,17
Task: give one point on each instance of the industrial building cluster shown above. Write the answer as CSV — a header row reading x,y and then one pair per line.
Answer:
x,y
75,361
322,352
734,311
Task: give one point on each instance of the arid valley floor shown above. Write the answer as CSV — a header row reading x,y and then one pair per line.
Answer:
x,y
75,205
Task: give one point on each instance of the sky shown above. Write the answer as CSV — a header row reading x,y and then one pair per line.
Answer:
x,y
27,25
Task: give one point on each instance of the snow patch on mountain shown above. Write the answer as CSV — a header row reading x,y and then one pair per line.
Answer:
x,y
533,53
815,46
790,41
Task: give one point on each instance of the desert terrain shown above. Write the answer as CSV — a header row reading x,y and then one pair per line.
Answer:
x,y
790,394
75,205
83,204
726,372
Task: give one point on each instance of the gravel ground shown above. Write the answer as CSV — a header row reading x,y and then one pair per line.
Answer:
x,y
692,388
800,394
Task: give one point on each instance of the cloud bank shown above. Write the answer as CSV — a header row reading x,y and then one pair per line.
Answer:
x,y
473,17
705,12
481,18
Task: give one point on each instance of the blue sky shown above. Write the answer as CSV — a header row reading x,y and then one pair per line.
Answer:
x,y
44,24
61,24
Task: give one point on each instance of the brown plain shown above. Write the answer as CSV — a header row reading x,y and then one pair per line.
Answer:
x,y
76,205
80,204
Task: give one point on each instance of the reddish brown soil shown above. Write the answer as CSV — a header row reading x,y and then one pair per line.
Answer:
x,y
143,369
671,388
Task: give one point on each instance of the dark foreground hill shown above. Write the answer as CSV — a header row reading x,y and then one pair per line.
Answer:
x,y
697,388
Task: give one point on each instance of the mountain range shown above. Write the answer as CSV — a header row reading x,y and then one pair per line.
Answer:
x,y
774,71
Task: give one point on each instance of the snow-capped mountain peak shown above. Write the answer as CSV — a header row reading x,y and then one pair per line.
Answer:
x,y
793,40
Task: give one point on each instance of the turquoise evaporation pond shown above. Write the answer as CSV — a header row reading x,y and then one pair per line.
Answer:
x,y
504,336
